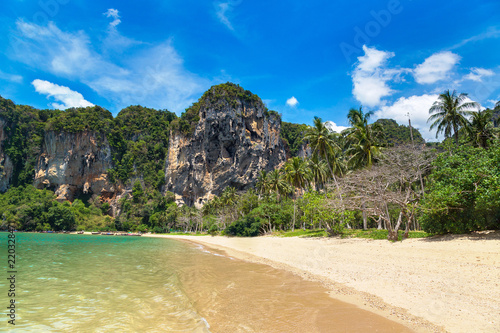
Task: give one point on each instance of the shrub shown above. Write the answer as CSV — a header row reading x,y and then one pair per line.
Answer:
x,y
245,227
464,192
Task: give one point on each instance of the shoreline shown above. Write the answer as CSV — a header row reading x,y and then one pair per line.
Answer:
x,y
428,285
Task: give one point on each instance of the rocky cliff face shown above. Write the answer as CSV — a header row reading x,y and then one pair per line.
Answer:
x,y
233,140
6,167
71,163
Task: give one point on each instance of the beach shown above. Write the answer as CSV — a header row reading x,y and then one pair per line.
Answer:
x,y
446,283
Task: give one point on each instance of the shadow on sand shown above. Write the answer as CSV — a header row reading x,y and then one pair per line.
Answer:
x,y
476,235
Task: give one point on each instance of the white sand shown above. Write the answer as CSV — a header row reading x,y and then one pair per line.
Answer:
x,y
453,282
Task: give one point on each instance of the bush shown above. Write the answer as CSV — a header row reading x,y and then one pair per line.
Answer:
x,y
245,227
464,192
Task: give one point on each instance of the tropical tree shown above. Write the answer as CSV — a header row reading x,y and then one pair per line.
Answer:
x,y
319,171
262,184
323,144
449,113
480,129
298,175
363,139
278,184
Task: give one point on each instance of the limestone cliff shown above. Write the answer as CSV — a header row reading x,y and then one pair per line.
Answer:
x,y
233,140
6,167
72,163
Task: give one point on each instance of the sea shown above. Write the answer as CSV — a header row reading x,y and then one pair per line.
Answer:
x,y
99,283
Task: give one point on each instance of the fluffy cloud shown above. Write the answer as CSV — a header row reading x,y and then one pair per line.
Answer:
x,y
370,77
477,74
418,109
334,127
292,101
68,97
436,67
113,13
151,75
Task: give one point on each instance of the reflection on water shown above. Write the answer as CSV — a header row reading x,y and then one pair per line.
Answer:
x,y
83,283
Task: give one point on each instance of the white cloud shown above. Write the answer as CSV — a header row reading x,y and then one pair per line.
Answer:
x,y
221,10
334,127
113,13
436,67
292,101
68,97
477,74
418,109
370,77
11,77
153,76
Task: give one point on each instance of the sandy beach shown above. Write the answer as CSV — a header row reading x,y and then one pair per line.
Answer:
x,y
449,283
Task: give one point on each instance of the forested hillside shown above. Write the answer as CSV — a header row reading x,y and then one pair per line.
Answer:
x,y
229,165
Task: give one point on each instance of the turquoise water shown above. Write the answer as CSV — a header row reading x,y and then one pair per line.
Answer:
x,y
80,283
95,283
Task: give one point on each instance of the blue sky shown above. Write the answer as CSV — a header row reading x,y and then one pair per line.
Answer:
x,y
304,59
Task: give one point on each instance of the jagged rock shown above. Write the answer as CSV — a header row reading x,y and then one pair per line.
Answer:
x,y
233,140
73,162
6,167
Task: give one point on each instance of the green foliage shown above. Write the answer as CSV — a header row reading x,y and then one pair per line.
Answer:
x,y
464,192
24,131
293,136
247,226
495,114
139,142
395,134
31,209
137,192
304,233
74,120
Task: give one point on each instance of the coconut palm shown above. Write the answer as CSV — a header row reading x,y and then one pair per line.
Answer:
x,y
319,171
363,139
324,144
278,184
480,129
449,113
298,175
262,184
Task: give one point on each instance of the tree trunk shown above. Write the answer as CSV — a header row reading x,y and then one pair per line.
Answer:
x,y
338,187
293,225
365,222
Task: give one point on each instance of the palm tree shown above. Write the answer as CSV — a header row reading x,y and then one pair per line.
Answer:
x,y
323,143
262,184
319,171
363,139
278,184
480,130
298,175
449,113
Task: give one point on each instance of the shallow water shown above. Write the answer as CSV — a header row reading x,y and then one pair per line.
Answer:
x,y
84,283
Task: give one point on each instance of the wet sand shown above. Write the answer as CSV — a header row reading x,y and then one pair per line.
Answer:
x,y
447,283
240,296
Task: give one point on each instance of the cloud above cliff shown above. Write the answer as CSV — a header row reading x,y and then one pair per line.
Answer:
x,y
152,75
64,96
292,101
